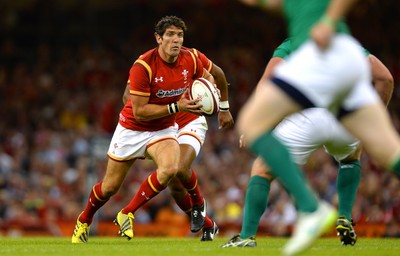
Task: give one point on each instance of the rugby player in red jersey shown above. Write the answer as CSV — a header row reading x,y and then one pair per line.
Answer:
x,y
191,135
147,127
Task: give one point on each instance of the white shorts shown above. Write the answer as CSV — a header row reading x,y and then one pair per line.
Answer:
x,y
194,133
338,78
127,144
306,131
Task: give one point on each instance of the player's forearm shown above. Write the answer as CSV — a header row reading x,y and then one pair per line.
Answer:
x,y
273,62
338,9
382,79
220,81
210,77
142,110
384,88
125,96
153,111
266,4
269,69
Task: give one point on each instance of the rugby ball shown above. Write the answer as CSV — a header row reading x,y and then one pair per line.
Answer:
x,y
207,95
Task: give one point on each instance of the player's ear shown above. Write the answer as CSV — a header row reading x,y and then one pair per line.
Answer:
x,y
158,38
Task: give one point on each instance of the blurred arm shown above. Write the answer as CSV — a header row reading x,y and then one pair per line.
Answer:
x,y
381,78
225,118
220,81
323,30
126,95
273,62
339,8
266,4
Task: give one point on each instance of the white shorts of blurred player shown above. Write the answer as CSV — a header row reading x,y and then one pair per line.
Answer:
x,y
338,78
307,131
194,133
127,144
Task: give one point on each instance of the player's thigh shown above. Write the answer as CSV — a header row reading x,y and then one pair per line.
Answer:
x,y
166,154
194,134
188,154
259,168
372,125
115,175
264,110
190,138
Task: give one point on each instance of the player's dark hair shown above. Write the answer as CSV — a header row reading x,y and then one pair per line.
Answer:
x,y
167,21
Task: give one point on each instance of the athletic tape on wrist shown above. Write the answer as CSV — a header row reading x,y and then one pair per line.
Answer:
x,y
224,106
173,108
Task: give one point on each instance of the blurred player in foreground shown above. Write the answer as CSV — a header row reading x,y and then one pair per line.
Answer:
x,y
303,133
327,69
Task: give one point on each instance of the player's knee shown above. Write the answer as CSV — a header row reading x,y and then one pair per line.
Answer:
x,y
356,155
265,175
242,125
167,173
177,191
184,174
259,168
109,190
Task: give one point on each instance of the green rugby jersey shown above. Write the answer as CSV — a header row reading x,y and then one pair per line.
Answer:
x,y
301,15
285,48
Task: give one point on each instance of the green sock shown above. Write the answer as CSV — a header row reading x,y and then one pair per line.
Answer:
x,y
285,170
347,184
254,205
396,167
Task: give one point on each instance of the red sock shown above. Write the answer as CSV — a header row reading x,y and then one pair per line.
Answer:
x,y
192,187
149,189
185,204
95,202
208,223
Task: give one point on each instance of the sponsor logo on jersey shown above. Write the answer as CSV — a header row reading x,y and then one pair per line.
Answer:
x,y
169,93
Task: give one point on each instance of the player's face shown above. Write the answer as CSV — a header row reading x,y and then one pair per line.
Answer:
x,y
170,43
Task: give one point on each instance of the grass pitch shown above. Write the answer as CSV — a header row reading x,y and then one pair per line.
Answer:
x,y
107,246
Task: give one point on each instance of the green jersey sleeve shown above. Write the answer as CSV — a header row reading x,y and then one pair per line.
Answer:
x,y
284,49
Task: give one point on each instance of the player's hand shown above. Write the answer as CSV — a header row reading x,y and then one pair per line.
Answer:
x,y
249,2
322,34
225,119
242,141
187,105
275,5
218,91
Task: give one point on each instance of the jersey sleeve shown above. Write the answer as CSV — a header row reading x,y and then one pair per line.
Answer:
x,y
366,52
199,68
207,63
284,49
139,78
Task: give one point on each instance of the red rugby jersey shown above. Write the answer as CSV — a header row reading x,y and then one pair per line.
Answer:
x,y
162,82
183,118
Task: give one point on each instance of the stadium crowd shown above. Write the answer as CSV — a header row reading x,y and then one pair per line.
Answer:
x,y
63,70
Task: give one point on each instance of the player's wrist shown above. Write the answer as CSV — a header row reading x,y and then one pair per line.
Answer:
x,y
224,106
325,19
173,108
262,3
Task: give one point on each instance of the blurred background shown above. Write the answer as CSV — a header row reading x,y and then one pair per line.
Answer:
x,y
63,70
